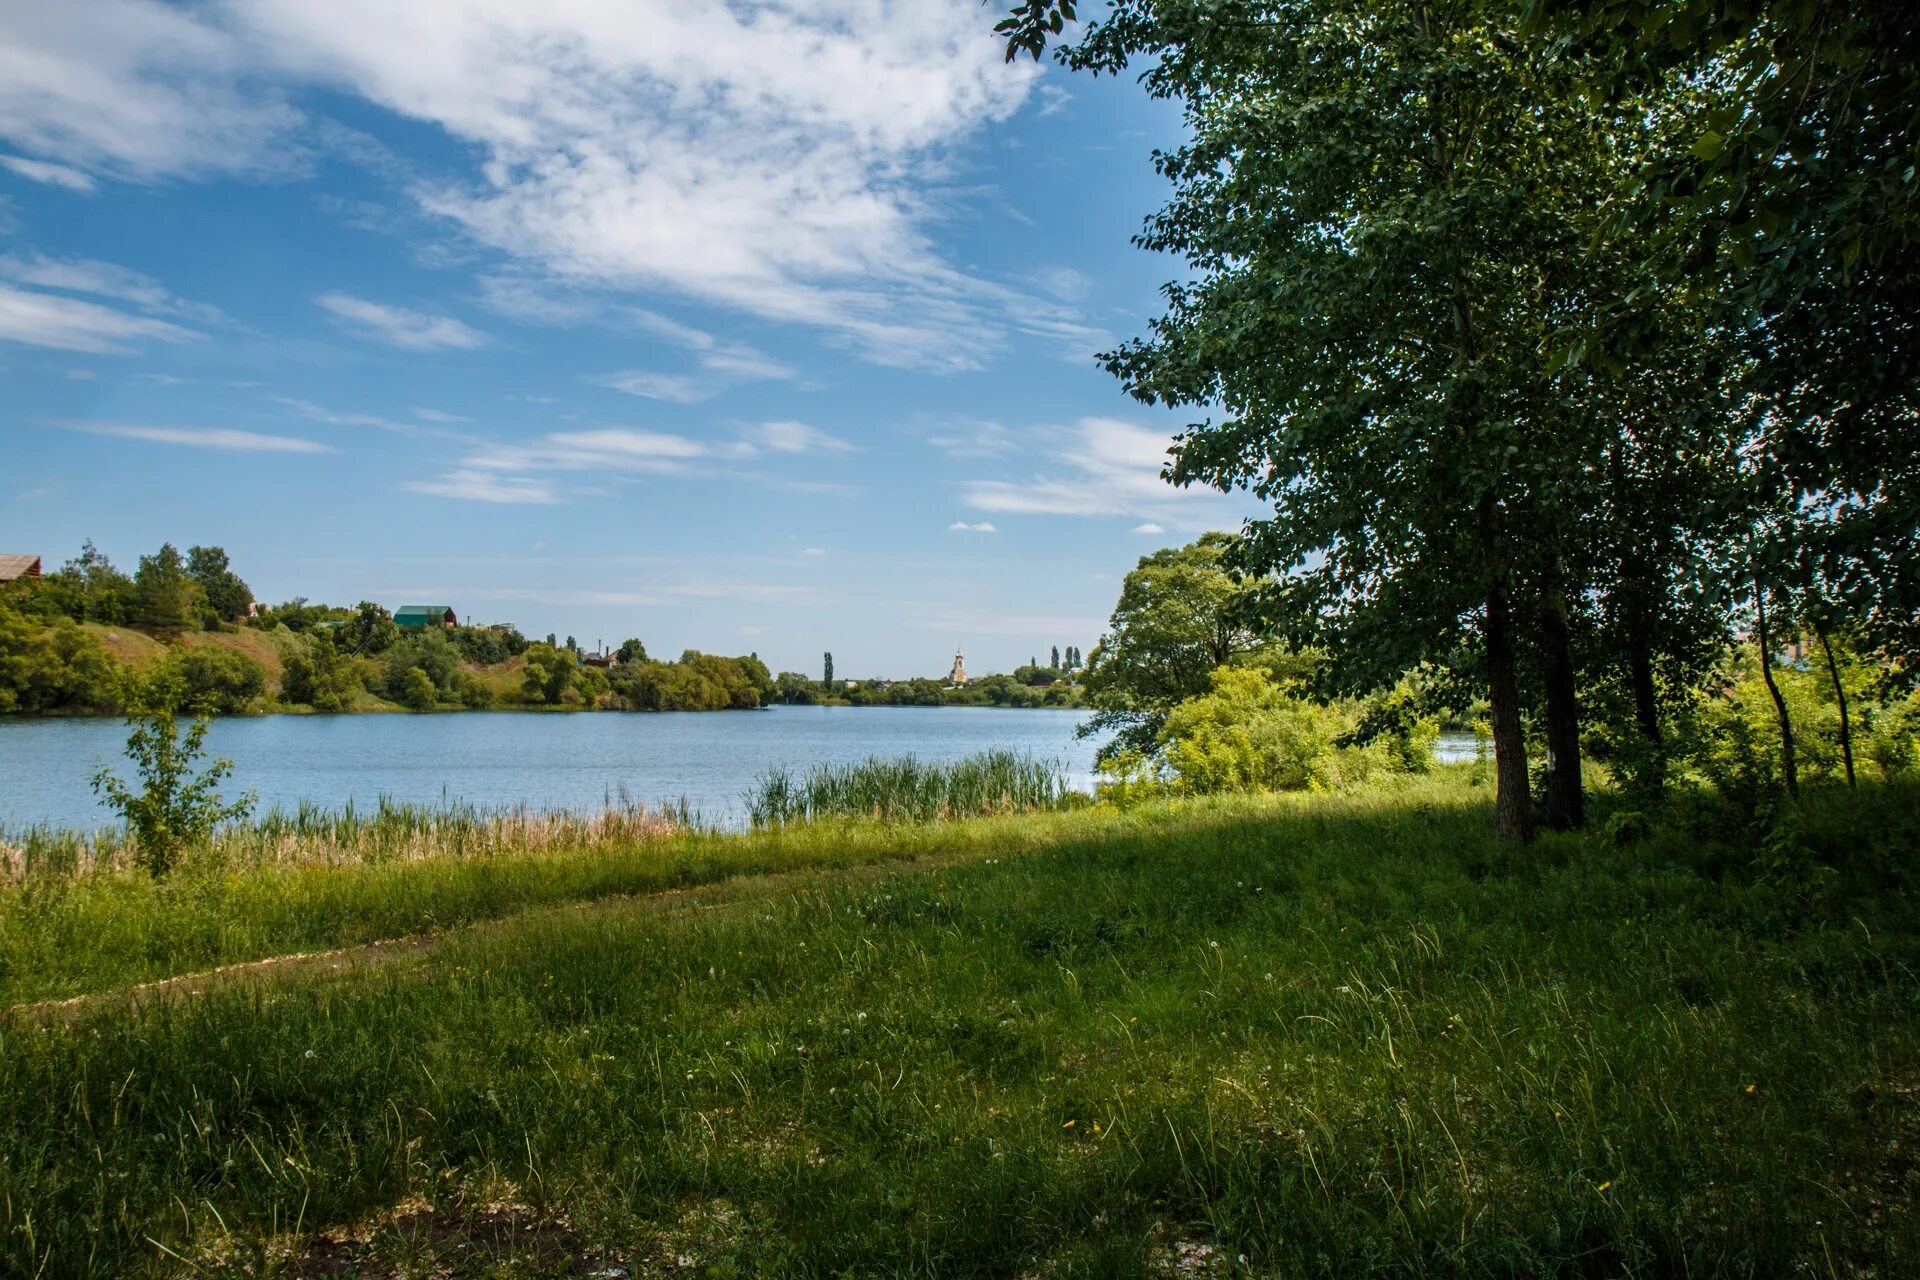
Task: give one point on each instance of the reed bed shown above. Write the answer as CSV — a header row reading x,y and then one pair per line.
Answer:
x,y
908,790
314,835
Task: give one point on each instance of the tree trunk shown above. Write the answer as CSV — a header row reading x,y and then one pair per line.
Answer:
x,y
1512,804
1566,801
1789,768
1840,692
1646,704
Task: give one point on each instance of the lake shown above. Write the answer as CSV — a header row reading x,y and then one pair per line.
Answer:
x,y
545,761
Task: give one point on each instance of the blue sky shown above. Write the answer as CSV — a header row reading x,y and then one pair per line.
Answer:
x,y
727,326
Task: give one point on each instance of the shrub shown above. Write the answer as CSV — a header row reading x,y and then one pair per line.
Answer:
x,y
1252,734
319,675
57,667
216,679
175,808
417,690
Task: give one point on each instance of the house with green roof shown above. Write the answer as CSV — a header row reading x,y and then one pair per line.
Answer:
x,y
424,617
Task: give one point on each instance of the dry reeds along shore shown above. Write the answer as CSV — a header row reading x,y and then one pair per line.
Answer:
x,y
900,790
312,835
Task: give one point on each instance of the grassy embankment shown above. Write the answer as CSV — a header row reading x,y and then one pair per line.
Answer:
x,y
1327,1034
139,651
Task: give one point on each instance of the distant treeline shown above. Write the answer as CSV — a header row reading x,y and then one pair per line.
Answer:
x,y
1028,686
194,625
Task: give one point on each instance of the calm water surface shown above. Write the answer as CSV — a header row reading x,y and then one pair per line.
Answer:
x,y
545,761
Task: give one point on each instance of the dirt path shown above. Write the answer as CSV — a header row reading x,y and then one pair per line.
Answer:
x,y
421,946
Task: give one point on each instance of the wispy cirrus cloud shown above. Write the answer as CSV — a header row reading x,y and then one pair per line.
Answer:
x,y
641,452
138,90
400,326
55,175
225,438
752,156
961,526
74,324
485,486
672,387
336,418
973,438
725,362
796,437
102,280
1105,467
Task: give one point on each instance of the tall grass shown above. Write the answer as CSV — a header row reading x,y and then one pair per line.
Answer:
x,y
1304,1036
314,835
907,790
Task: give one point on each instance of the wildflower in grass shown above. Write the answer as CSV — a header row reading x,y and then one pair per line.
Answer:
x,y
1752,1087
1603,1188
1069,1124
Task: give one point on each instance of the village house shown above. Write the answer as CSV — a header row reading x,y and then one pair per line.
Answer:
x,y
14,568
422,617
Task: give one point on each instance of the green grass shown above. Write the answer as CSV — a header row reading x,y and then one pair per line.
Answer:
x,y
1328,1035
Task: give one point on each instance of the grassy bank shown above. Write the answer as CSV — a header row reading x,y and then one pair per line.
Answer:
x,y
1299,1036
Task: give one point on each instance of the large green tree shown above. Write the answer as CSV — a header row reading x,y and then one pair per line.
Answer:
x,y
1785,194
165,596
1181,614
226,595
1381,206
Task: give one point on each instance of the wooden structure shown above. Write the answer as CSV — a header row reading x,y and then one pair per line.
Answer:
x,y
14,568
423,617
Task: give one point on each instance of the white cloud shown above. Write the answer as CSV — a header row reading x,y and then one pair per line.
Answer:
x,y
602,449
81,375
334,418
813,551
776,157
58,175
520,298
654,386
740,361
410,330
1108,468
438,415
70,324
135,88
961,526
103,280
203,437
1148,527
796,437
728,361
482,486
973,438
605,451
